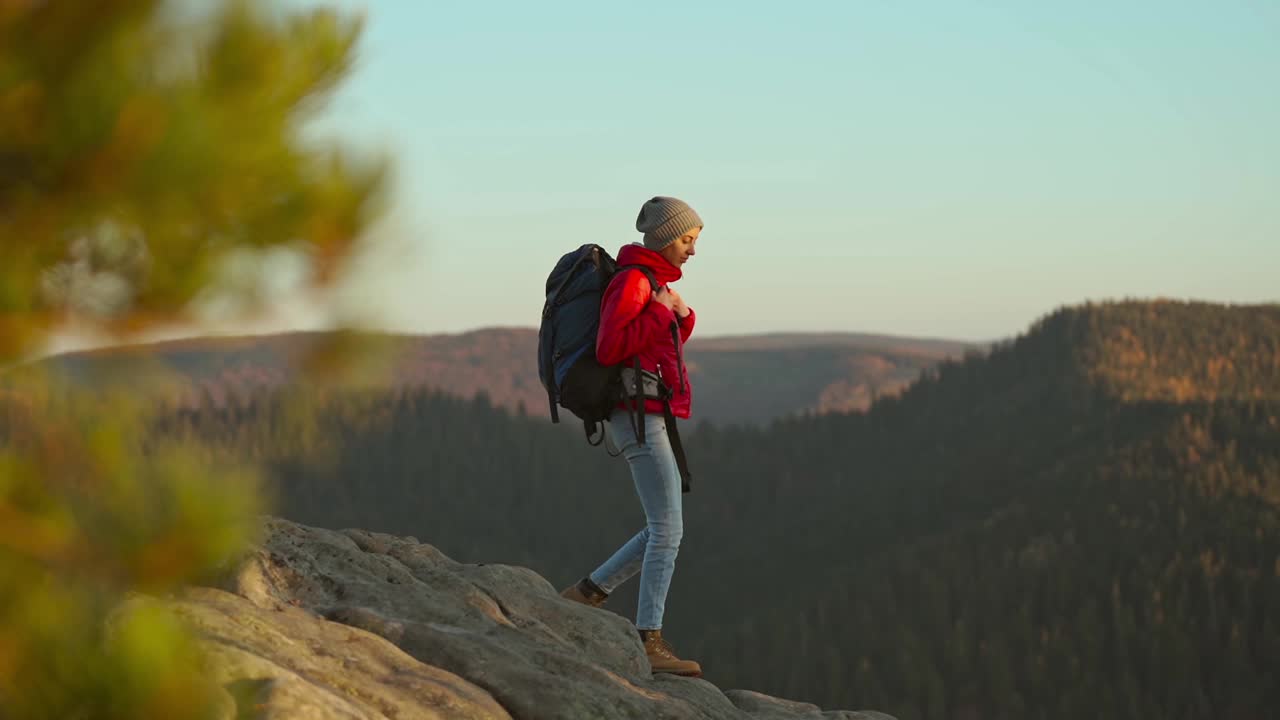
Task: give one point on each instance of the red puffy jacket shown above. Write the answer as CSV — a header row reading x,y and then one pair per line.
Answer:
x,y
632,323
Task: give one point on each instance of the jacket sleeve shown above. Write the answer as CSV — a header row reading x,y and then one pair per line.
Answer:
x,y
630,321
686,326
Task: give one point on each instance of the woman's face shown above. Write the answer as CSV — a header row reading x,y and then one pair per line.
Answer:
x,y
679,252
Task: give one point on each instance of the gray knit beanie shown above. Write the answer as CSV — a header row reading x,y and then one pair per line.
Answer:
x,y
663,219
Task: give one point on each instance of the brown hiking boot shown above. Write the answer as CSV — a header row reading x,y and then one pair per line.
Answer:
x,y
586,592
662,657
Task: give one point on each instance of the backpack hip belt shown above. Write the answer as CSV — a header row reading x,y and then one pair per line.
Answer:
x,y
652,387
634,394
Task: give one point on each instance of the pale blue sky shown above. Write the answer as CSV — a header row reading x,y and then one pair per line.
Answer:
x,y
951,169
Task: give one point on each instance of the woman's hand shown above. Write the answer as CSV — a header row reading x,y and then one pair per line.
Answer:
x,y
672,301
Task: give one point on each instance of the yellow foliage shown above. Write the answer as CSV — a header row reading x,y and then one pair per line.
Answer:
x,y
135,154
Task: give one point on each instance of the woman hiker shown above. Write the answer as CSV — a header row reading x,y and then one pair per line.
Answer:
x,y
636,321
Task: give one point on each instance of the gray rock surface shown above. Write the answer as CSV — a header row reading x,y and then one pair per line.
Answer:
x,y
352,624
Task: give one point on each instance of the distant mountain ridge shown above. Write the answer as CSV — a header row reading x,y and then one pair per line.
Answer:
x,y
746,379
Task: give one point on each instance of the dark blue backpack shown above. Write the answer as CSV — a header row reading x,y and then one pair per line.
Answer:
x,y
567,363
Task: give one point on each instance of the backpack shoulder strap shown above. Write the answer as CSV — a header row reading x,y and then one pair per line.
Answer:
x,y
653,281
637,412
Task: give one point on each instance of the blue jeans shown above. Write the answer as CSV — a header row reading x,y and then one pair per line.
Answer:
x,y
652,552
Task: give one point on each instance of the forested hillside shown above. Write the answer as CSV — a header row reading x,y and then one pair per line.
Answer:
x,y
1086,521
